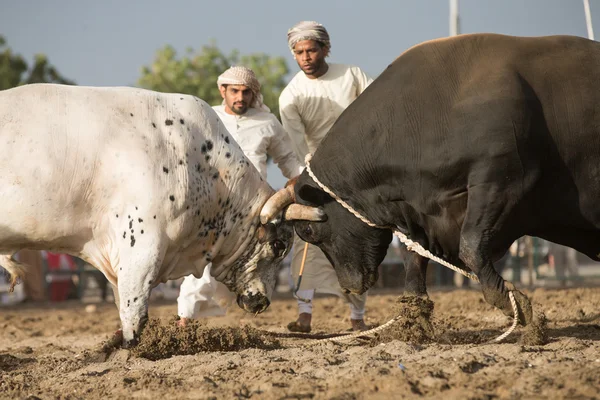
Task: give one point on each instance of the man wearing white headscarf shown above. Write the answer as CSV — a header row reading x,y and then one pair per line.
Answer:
x,y
309,105
259,133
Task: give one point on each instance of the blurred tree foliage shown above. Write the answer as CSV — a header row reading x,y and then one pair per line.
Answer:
x,y
196,73
14,70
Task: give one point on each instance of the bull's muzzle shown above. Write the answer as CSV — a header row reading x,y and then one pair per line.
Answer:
x,y
253,303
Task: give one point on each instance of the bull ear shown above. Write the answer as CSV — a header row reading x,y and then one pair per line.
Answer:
x,y
261,233
266,233
313,195
304,213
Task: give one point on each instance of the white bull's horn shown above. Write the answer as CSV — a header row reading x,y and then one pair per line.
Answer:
x,y
275,204
304,213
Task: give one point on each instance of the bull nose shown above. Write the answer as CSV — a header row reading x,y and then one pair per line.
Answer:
x,y
254,303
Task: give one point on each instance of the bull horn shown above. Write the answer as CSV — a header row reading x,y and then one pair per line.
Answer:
x,y
304,213
275,204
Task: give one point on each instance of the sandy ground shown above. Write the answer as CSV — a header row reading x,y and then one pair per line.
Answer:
x,y
51,352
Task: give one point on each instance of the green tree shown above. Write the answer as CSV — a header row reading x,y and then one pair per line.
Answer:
x,y
196,73
14,70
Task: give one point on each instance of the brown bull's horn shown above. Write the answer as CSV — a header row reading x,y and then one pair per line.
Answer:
x,y
304,213
275,204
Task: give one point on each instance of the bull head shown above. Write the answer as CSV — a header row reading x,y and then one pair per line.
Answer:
x,y
354,248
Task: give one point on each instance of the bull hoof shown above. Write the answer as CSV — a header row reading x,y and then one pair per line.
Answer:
x,y
524,307
502,301
129,344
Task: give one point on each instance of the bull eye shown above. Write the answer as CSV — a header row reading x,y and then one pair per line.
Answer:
x,y
308,230
278,247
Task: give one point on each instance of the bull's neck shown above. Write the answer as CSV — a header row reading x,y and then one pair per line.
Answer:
x,y
354,180
248,192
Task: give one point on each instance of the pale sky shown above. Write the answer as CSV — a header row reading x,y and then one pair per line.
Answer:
x,y
105,43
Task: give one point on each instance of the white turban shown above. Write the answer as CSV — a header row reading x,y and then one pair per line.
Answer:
x,y
308,30
239,75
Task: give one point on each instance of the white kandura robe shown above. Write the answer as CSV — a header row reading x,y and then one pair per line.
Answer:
x,y
308,108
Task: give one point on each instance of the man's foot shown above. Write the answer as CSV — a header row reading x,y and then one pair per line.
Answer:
x,y
302,324
359,325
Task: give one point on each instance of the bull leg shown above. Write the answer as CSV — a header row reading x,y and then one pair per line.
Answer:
x,y
485,214
16,269
115,290
135,281
416,273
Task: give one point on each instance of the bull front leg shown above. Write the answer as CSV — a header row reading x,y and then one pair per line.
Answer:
x,y
474,250
136,278
416,273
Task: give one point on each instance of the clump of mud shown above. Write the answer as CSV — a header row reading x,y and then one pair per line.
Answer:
x,y
536,333
8,362
160,341
413,323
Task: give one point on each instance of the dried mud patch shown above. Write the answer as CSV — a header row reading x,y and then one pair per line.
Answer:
x,y
8,362
413,324
160,341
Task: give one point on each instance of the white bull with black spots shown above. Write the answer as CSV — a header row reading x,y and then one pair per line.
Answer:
x,y
144,186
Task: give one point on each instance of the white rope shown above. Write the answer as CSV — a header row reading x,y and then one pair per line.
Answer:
x,y
411,246
349,337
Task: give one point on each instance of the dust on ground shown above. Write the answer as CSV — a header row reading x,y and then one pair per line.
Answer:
x,y
48,352
160,340
413,321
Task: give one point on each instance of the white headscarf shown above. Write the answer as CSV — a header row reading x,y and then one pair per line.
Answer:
x,y
239,75
308,30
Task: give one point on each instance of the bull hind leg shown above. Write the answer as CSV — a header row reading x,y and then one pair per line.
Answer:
x,y
15,269
486,212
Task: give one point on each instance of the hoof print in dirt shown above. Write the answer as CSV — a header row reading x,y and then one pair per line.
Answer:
x,y
414,321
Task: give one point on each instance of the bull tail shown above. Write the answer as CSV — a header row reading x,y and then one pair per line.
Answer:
x,y
15,269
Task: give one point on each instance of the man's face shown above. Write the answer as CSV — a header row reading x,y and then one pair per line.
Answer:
x,y
310,56
237,98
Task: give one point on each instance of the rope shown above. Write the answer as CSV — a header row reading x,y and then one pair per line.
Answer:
x,y
411,246
348,337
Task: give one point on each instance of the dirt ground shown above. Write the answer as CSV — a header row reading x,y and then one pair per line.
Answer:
x,y
52,352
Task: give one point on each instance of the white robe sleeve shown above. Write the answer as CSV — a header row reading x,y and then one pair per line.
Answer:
x,y
292,124
362,80
204,297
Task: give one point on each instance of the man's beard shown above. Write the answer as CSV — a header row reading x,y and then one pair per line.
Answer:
x,y
241,110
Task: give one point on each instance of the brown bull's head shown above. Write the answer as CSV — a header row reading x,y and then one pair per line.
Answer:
x,y
354,249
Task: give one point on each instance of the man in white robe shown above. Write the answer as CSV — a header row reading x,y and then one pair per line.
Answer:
x,y
309,105
259,133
